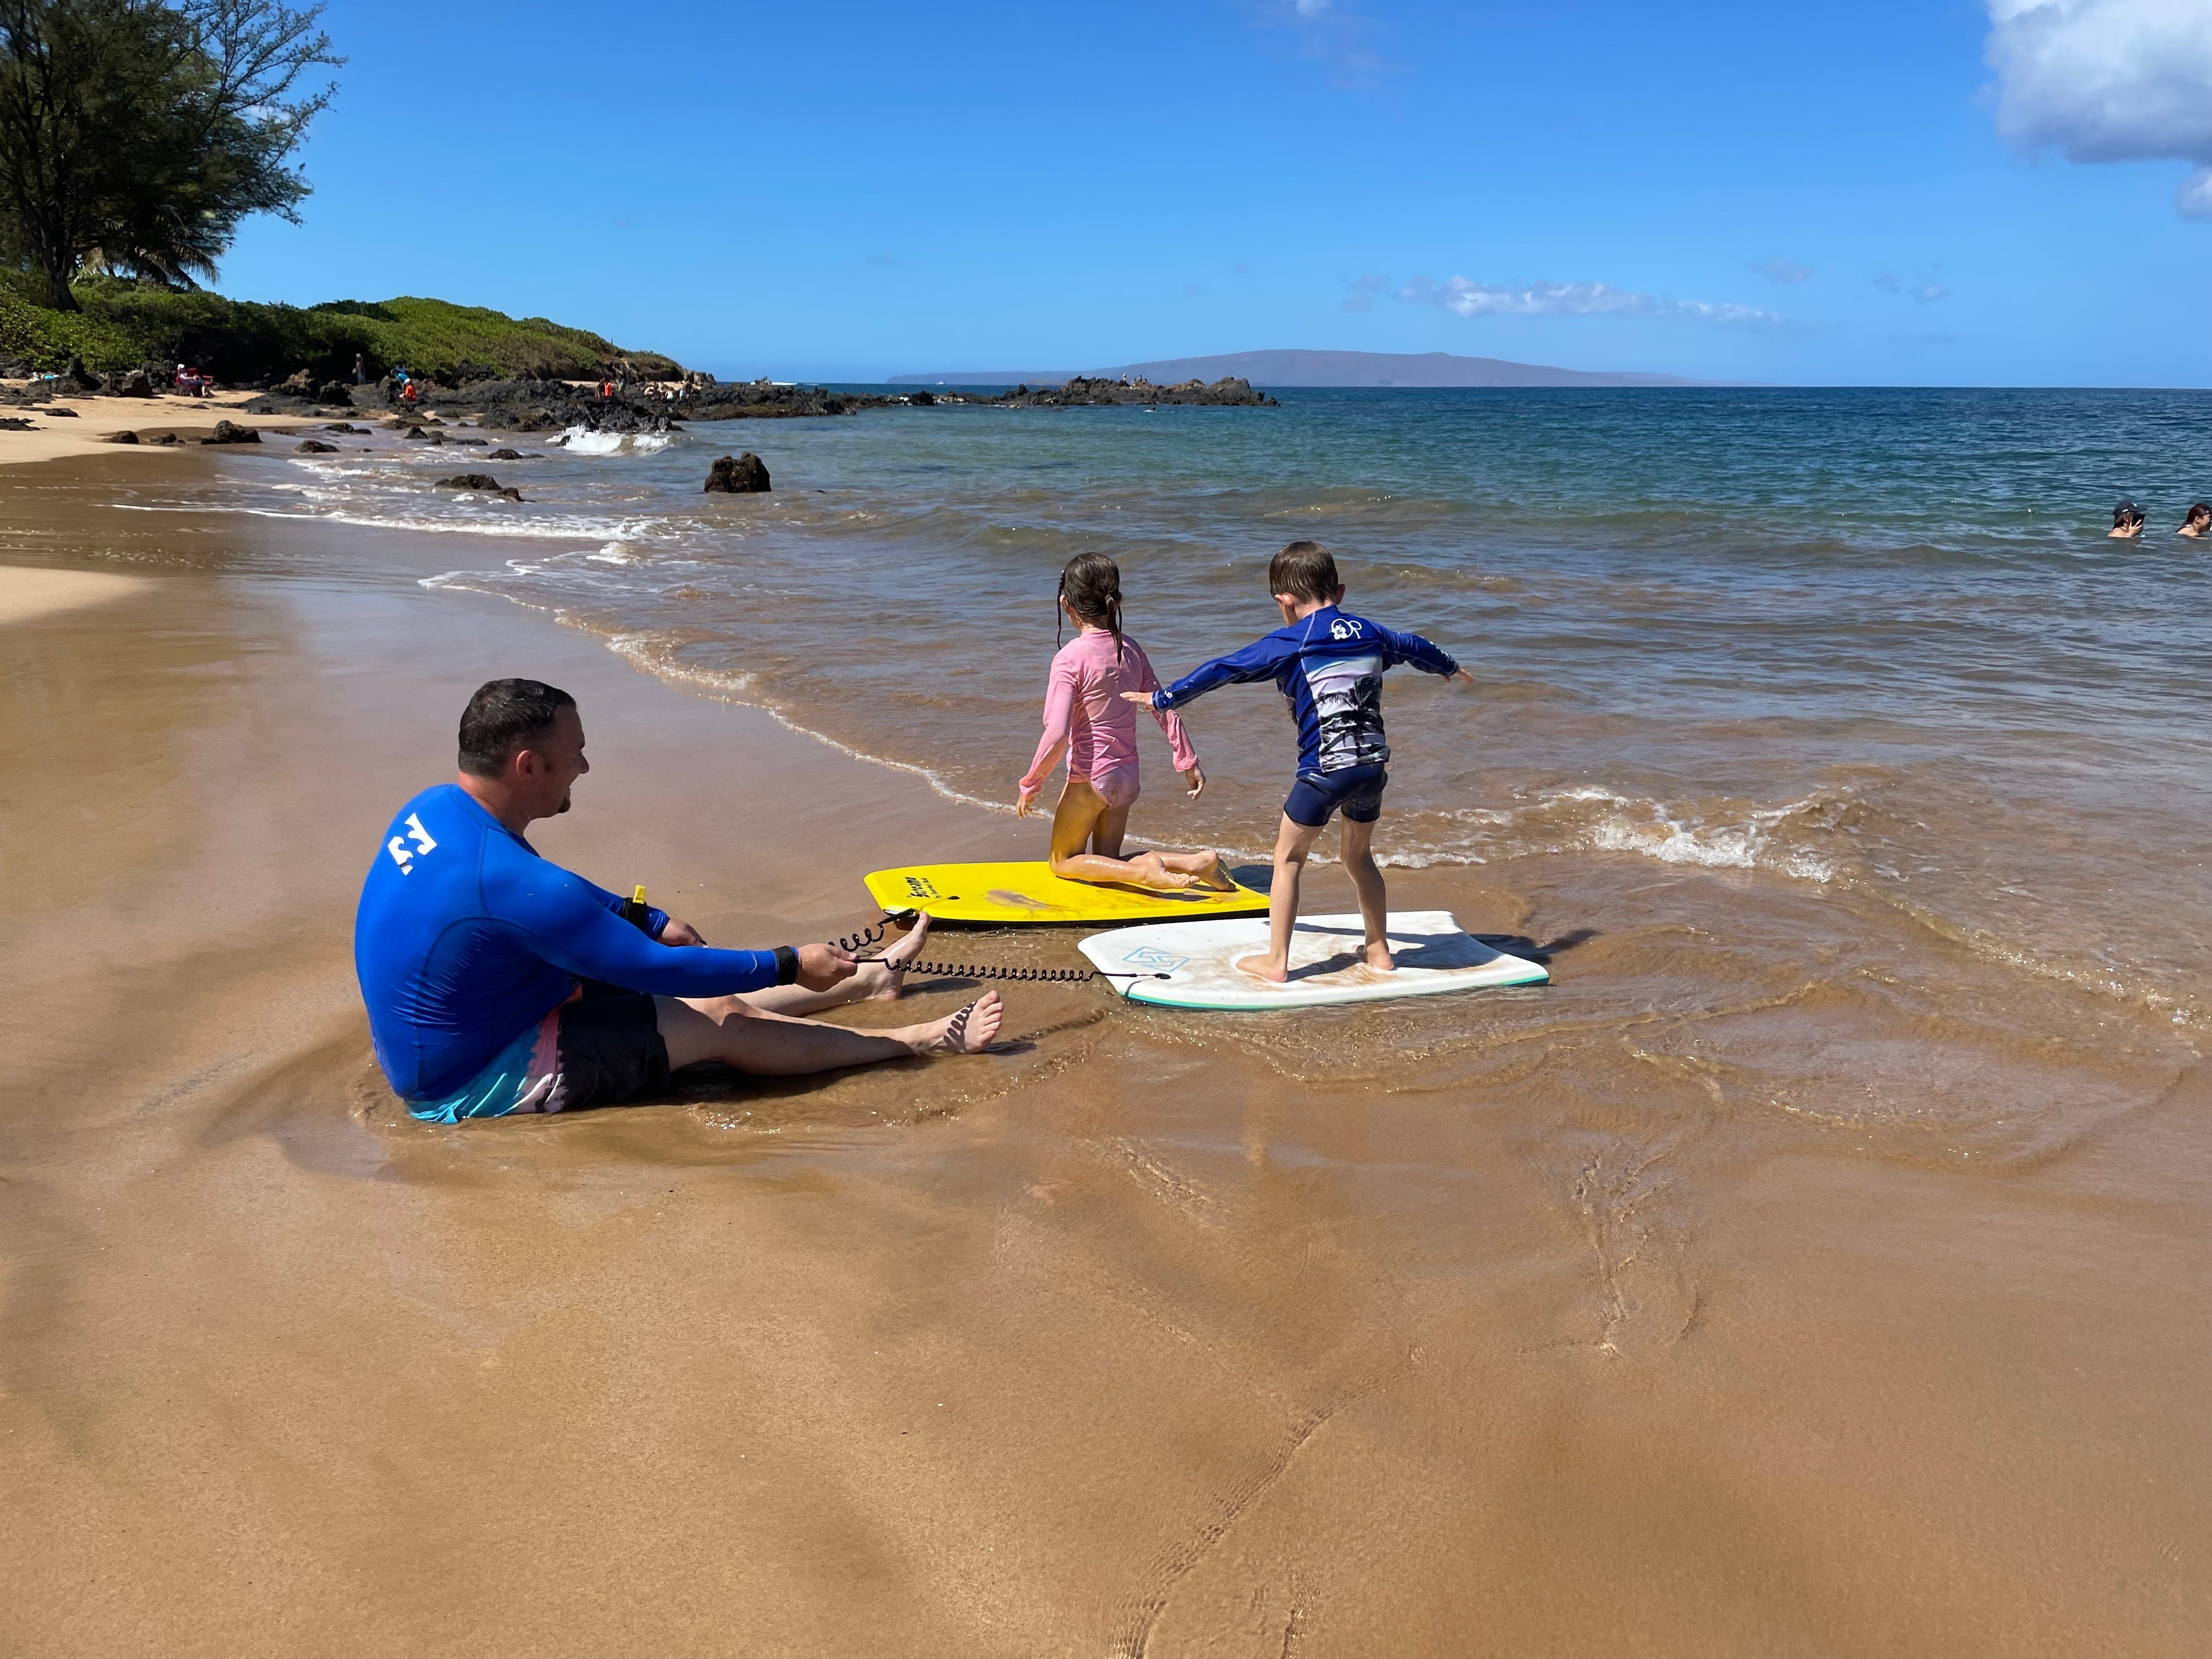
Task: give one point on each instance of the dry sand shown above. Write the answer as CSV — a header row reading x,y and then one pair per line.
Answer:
x,y
1126,1339
93,421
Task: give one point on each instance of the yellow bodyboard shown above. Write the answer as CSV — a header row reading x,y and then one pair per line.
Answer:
x,y
1013,893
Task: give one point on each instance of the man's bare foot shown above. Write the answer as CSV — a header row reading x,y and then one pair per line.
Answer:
x,y
1377,956
969,1032
1261,968
887,973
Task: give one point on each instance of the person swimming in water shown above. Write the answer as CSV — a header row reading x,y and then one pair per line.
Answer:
x,y
2127,522
2199,521
1086,720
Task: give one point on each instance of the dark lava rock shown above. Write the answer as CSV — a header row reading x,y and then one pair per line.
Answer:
x,y
479,442
424,434
483,481
164,438
125,436
227,432
15,424
302,385
317,446
66,414
739,475
344,425
508,455
1085,391
335,391
74,377
135,383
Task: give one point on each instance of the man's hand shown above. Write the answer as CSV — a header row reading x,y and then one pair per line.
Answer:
x,y
1025,803
679,932
823,966
1196,779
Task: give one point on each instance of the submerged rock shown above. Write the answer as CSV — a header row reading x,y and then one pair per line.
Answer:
x,y
508,455
739,475
317,446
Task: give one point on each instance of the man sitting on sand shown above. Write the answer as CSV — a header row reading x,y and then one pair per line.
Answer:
x,y
498,982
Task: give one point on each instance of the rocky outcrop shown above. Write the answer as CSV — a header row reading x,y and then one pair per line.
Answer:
x,y
131,383
739,475
76,377
1083,391
483,481
229,432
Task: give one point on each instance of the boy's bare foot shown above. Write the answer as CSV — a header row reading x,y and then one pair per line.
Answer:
x,y
887,973
1260,967
969,1032
1377,956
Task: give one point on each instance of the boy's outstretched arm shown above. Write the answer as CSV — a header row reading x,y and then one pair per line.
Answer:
x,y
1418,652
1262,659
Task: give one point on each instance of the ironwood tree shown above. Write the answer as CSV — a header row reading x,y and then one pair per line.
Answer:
x,y
136,135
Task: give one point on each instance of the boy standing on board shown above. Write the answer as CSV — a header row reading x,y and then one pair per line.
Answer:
x,y
1329,664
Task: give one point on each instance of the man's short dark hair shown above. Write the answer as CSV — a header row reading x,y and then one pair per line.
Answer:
x,y
1304,570
506,715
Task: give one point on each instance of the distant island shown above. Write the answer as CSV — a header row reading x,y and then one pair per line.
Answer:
x,y
1316,368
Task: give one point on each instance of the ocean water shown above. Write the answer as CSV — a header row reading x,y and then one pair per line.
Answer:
x,y
1866,654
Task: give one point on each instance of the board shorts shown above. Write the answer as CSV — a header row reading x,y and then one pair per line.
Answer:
x,y
601,1047
1356,791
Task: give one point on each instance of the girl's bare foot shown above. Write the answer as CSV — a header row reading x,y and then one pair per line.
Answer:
x,y
969,1032
1217,877
1153,873
1260,967
1377,956
887,973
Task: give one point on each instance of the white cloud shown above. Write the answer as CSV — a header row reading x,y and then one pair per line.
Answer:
x,y
2108,81
1778,270
1362,290
1470,299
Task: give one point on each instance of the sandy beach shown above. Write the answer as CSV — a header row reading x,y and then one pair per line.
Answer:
x,y
1141,1335
90,425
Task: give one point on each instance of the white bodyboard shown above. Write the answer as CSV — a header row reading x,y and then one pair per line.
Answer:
x,y
1434,954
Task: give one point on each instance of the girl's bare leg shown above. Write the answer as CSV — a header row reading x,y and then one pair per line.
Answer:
x,y
1206,867
1293,841
1374,902
1084,819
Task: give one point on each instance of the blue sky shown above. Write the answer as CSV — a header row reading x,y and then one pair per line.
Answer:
x,y
1813,193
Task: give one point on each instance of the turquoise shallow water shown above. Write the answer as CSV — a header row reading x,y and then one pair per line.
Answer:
x,y
1870,643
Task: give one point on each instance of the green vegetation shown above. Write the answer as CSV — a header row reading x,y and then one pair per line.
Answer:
x,y
121,325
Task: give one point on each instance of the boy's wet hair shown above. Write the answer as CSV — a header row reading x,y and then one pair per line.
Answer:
x,y
1091,585
2125,514
1304,570
506,715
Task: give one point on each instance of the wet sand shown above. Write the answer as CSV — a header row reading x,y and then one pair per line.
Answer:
x,y
1152,1333
92,423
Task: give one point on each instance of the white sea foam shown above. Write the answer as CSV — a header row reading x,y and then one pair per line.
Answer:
x,y
582,441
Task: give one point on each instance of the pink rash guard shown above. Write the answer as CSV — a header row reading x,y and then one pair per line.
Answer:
x,y
1084,714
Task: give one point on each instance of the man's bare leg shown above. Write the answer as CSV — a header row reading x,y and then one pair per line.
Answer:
x,y
883,976
774,1045
1292,843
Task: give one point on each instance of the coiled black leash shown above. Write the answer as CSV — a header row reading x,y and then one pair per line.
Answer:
x,y
866,937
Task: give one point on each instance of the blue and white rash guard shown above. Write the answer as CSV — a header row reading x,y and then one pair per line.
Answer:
x,y
1329,666
466,938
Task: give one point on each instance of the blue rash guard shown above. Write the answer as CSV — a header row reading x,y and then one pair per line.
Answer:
x,y
466,938
1329,666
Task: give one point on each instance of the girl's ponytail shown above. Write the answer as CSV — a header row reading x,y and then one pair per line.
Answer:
x,y
1091,585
